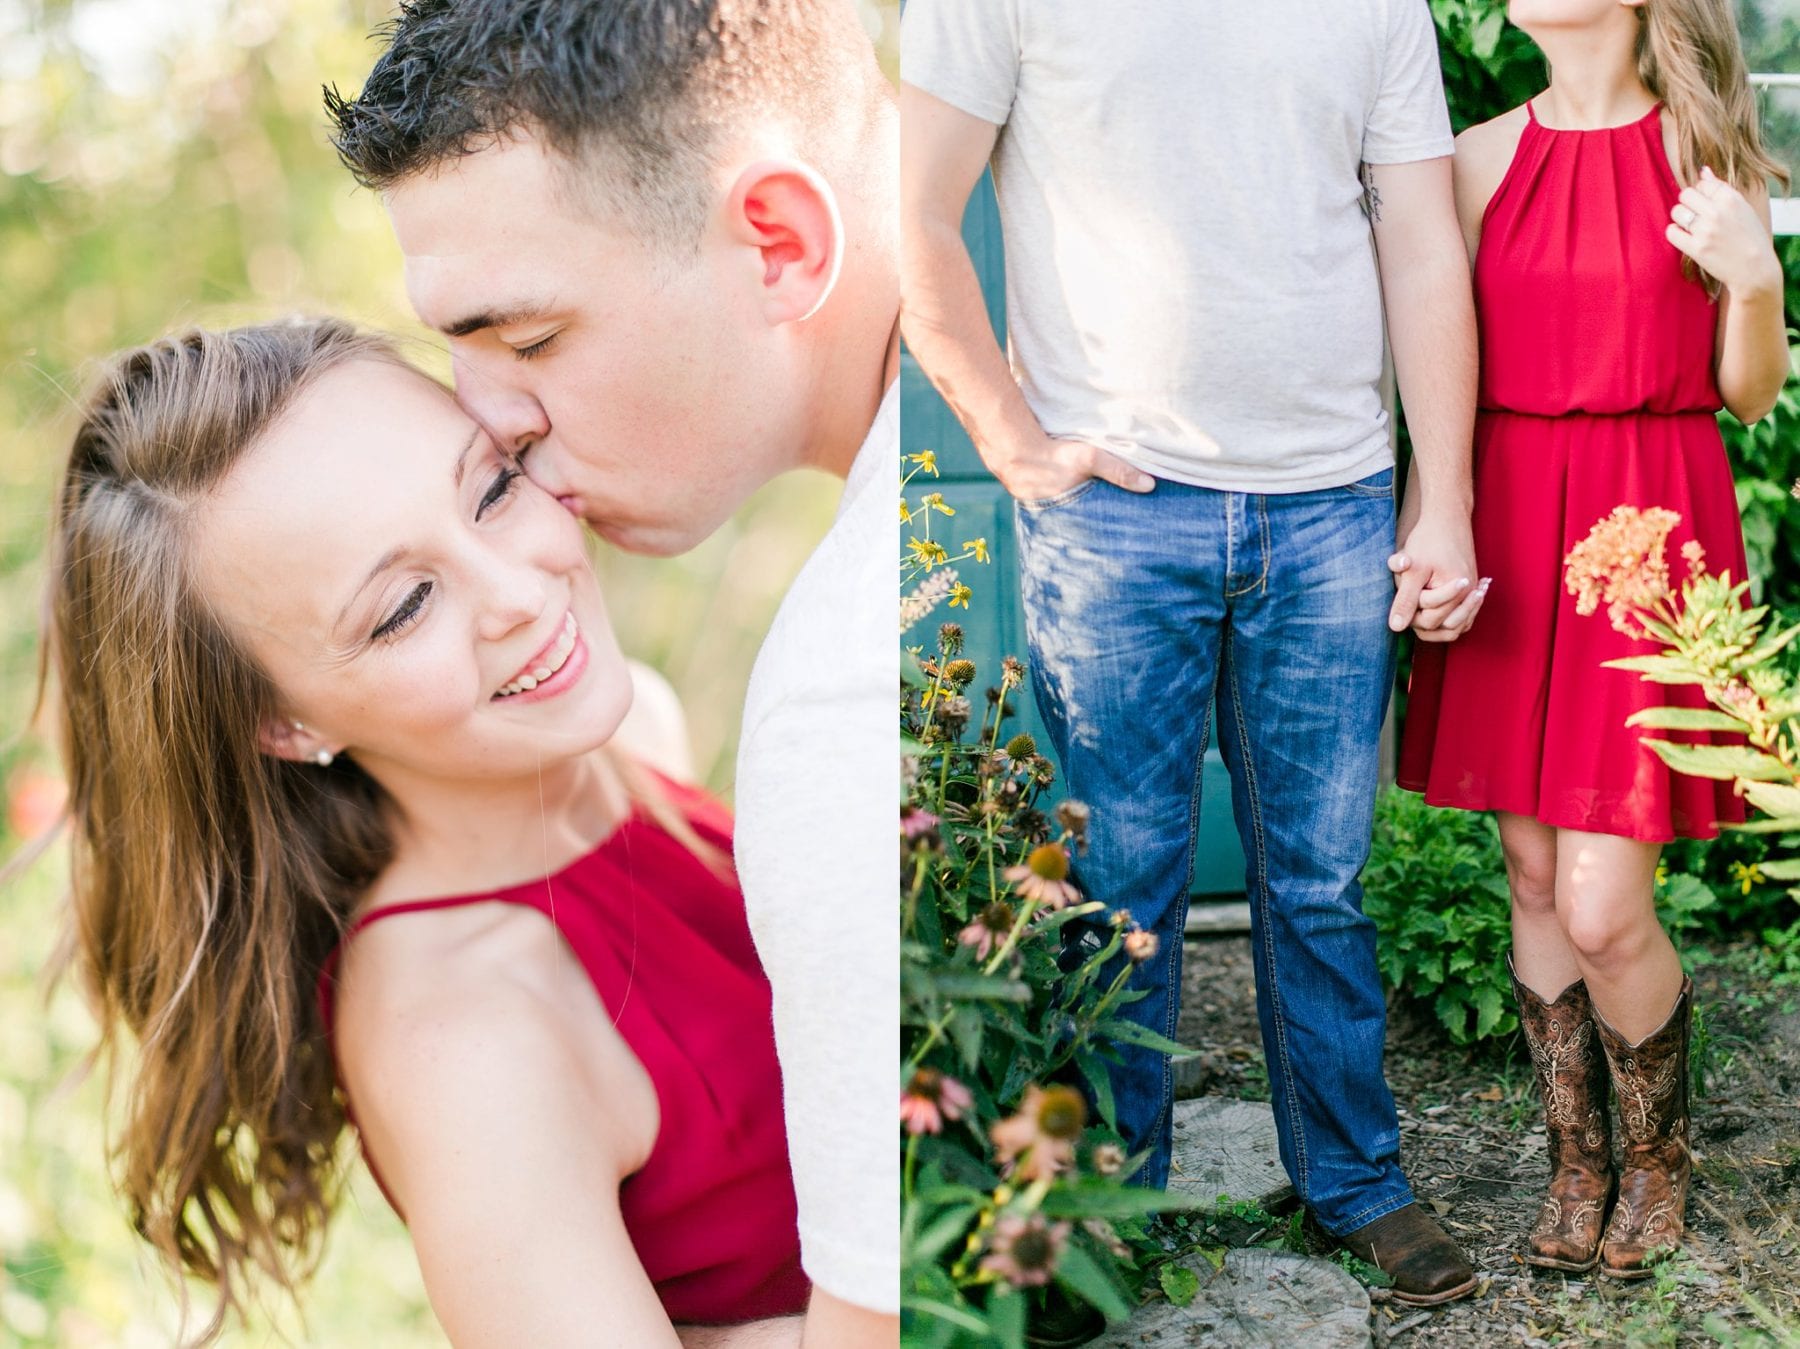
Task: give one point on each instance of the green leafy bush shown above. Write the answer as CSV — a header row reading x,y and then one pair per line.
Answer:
x,y
1435,886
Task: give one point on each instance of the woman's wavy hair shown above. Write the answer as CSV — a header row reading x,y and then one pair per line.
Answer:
x,y
1690,56
209,880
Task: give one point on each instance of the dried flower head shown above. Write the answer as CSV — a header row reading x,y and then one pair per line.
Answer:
x,y
1104,1233
954,714
1021,746
950,639
1039,1141
1012,673
1109,1159
931,1098
990,927
1024,1251
1140,946
1074,816
1044,876
960,671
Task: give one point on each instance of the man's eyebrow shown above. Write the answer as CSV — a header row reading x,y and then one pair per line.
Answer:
x,y
500,316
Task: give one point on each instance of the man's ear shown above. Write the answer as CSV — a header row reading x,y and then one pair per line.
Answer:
x,y
788,213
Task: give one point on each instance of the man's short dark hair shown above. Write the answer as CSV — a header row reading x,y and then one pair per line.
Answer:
x,y
634,94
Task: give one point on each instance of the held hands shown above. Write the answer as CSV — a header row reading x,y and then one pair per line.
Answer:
x,y
1043,467
1437,595
1715,225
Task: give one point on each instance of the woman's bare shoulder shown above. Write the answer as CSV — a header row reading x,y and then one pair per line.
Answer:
x,y
465,1006
1484,151
1486,148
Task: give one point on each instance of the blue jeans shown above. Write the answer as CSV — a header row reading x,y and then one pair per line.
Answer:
x,y
1140,610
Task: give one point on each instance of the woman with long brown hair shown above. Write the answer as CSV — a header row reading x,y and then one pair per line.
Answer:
x,y
1626,287
335,685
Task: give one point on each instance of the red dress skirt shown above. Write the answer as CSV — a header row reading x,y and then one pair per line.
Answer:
x,y
1597,390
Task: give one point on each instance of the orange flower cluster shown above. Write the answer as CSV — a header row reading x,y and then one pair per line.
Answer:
x,y
1622,563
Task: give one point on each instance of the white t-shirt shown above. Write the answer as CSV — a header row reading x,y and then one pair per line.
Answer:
x,y
1190,277
816,848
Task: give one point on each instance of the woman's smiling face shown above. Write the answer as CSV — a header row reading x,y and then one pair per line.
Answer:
x,y
417,603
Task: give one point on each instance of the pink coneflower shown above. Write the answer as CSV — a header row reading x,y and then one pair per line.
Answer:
x,y
1140,946
931,1098
916,823
1024,1251
1040,1140
990,927
1044,876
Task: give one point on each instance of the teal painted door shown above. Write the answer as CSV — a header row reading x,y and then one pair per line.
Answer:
x,y
995,624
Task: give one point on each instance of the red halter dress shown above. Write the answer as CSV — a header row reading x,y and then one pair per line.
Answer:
x,y
666,944
1597,391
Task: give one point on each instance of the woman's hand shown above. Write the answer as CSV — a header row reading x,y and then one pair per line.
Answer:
x,y
1715,225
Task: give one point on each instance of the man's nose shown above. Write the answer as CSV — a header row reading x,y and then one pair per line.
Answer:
x,y
512,417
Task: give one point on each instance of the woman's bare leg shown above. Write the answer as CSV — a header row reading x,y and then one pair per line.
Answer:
x,y
1542,958
1605,900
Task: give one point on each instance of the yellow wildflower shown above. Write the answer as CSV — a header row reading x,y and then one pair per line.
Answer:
x,y
960,595
928,553
978,547
925,459
1746,876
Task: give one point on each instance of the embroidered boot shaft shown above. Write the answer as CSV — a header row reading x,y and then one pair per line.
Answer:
x,y
1572,1080
1651,1080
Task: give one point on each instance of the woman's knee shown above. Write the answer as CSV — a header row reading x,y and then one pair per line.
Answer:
x,y
1606,931
1531,873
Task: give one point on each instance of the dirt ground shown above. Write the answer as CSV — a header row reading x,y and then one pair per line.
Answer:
x,y
1473,1145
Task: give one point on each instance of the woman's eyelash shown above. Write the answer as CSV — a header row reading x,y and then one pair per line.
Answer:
x,y
535,349
406,613
500,490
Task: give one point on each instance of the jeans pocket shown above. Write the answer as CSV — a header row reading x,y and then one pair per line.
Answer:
x,y
1375,485
1074,494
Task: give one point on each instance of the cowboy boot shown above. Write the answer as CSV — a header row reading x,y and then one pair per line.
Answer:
x,y
1571,1078
1651,1079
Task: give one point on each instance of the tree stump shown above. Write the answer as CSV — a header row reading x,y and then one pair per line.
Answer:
x,y
1227,1147
1265,1299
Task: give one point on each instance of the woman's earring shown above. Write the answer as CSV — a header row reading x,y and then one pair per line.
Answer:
x,y
323,758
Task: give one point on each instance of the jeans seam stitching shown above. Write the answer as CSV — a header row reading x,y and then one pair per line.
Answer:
x,y
1262,871
1172,1017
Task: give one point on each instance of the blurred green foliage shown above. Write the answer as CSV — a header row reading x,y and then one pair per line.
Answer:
x,y
164,162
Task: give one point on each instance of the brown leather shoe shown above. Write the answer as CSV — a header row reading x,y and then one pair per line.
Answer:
x,y
1427,1267
1571,1079
1651,1079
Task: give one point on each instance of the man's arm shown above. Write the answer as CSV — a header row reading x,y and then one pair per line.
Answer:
x,y
942,153
1431,328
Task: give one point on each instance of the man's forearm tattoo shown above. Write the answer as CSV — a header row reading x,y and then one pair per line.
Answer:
x,y
1371,198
